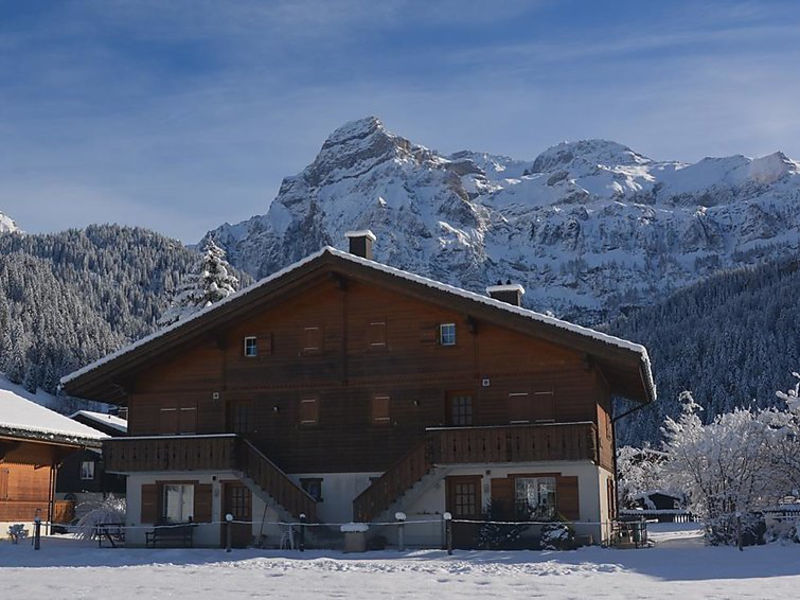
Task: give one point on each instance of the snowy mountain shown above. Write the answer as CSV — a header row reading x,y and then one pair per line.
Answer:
x,y
589,227
7,224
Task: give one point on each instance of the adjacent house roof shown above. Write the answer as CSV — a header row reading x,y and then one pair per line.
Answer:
x,y
103,419
21,418
625,364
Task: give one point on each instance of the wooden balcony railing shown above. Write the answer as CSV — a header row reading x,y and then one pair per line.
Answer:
x,y
226,452
465,445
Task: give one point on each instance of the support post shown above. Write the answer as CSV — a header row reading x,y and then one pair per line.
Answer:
x,y
302,532
400,517
37,532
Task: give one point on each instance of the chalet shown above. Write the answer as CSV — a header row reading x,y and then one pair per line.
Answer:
x,y
82,476
345,389
34,441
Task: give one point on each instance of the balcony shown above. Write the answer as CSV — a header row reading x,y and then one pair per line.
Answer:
x,y
480,445
216,452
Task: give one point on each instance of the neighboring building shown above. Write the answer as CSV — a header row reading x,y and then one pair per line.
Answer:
x,y
345,389
34,441
82,476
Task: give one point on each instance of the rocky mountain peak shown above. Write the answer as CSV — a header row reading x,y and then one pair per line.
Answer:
x,y
595,152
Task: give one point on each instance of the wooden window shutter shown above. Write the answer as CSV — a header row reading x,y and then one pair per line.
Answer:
x,y
4,474
309,411
429,334
567,497
168,420
187,420
376,334
380,409
312,339
543,407
202,503
502,498
150,503
519,407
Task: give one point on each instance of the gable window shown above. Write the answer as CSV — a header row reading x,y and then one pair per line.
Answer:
x,y
309,410
459,410
251,346
380,410
535,497
312,339
376,334
87,469
178,502
313,487
447,334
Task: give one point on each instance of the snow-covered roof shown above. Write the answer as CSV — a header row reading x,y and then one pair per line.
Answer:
x,y
112,421
22,418
405,275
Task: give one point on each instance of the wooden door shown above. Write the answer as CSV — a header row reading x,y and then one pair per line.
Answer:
x,y
238,502
464,501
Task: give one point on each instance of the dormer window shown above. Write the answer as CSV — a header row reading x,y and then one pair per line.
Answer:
x,y
251,346
447,334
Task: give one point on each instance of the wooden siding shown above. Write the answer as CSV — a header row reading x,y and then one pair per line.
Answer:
x,y
348,370
25,489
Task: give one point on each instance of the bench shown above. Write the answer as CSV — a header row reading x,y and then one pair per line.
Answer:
x,y
171,534
114,533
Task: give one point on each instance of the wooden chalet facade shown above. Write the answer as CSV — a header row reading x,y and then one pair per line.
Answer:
x,y
345,389
34,442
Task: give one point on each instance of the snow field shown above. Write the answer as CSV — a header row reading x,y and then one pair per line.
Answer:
x,y
679,567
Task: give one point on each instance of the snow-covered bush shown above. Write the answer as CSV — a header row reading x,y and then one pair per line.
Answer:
x,y
558,535
109,510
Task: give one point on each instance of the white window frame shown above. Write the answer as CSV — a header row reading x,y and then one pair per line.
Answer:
x,y
535,492
250,346
87,470
447,334
178,502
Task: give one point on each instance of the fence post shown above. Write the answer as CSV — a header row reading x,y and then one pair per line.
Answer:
x,y
229,532
448,531
302,532
400,517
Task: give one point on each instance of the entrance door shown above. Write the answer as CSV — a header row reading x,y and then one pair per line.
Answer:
x,y
238,502
464,501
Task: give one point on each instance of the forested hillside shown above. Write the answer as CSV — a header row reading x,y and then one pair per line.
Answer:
x,y
733,340
71,297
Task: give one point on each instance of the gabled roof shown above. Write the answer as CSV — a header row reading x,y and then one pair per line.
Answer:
x,y
24,419
625,364
104,419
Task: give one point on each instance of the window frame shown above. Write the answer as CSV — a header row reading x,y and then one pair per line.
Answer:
x,y
541,482
446,339
186,502
304,422
309,484
461,405
250,343
88,473
376,334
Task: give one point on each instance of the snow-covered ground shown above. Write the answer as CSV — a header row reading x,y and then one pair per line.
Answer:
x,y
678,567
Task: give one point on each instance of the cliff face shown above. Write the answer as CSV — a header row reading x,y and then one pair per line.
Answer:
x,y
589,227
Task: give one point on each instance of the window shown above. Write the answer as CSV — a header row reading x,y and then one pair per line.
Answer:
x,y
178,502
459,411
380,410
251,346
312,486
465,499
535,497
376,334
87,469
309,411
447,334
312,339
176,420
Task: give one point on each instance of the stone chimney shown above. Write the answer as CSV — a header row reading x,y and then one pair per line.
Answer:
x,y
506,292
361,243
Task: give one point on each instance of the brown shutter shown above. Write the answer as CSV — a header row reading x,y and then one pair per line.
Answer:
x,y
309,410
150,504
567,497
168,420
202,503
380,410
187,420
503,498
4,484
519,407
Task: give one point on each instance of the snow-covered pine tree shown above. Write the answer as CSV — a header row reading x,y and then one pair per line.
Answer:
x,y
212,282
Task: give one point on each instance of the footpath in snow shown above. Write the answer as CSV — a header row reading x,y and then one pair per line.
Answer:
x,y
680,566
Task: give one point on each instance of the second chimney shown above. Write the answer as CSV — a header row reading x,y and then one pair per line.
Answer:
x,y
361,243
509,292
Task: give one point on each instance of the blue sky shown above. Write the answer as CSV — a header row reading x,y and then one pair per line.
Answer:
x,y
182,115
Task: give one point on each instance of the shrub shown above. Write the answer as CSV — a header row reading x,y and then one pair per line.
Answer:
x,y
110,510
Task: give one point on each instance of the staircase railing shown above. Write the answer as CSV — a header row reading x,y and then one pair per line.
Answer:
x,y
274,481
397,479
